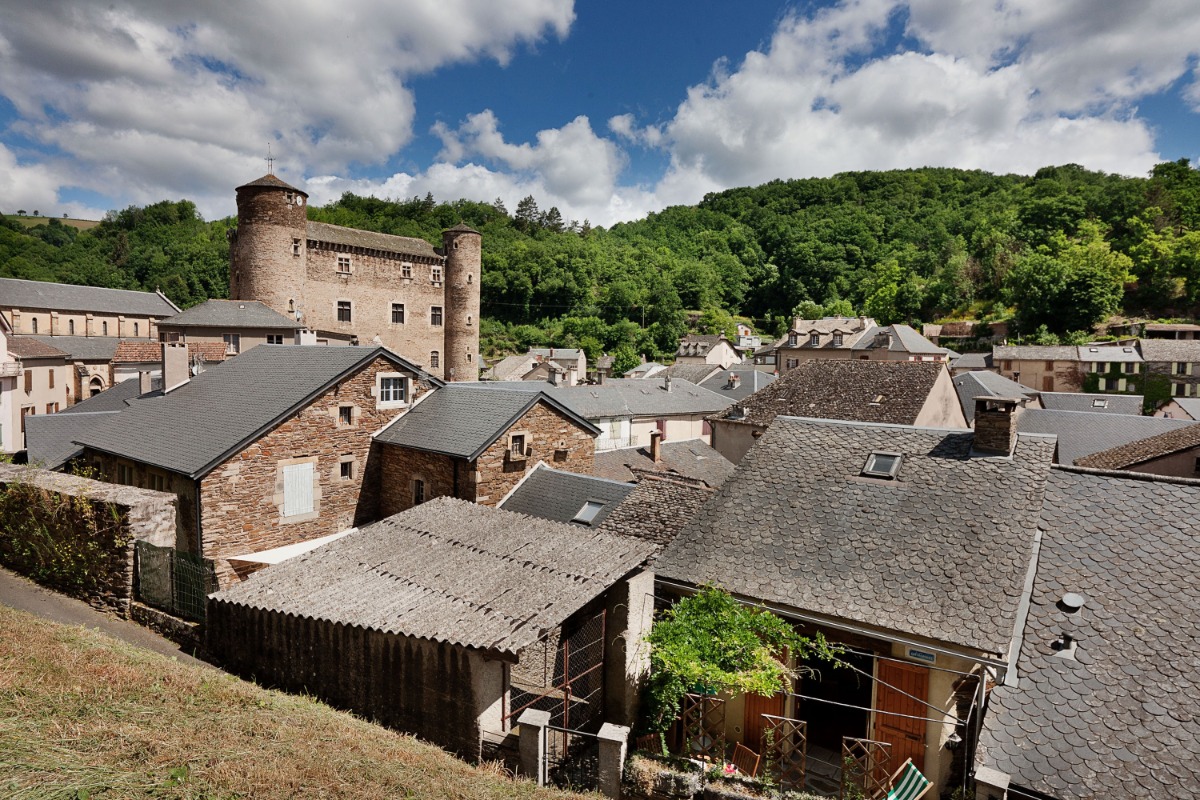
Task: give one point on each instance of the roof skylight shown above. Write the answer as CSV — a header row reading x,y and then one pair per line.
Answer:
x,y
587,514
882,465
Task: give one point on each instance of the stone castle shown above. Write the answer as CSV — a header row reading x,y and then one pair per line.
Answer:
x,y
359,287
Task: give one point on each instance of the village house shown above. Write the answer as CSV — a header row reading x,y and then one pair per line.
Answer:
x,y
645,370
476,443
1180,408
859,338
40,385
1170,330
733,382
1177,360
892,392
858,531
565,366
90,359
707,349
1046,368
236,324
1174,454
268,449
10,372
451,621
971,362
60,309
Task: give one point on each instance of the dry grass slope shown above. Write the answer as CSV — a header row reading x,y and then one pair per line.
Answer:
x,y
30,222
85,716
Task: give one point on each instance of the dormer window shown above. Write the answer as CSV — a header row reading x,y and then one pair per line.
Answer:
x,y
837,340
588,513
882,465
814,339
792,340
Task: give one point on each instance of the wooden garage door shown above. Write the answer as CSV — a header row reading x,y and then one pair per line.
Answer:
x,y
896,681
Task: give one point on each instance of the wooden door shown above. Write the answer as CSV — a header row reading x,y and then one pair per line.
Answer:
x,y
756,706
1047,383
901,689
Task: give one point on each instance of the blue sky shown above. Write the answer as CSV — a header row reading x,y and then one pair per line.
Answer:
x,y
606,110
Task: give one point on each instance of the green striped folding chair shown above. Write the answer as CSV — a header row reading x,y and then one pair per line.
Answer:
x,y
908,783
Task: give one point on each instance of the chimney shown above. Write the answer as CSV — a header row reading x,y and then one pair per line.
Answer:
x,y
552,375
600,373
996,424
572,375
175,365
656,446
145,383
305,336
735,380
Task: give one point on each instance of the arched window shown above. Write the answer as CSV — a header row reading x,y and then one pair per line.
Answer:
x,y
35,324
95,386
71,327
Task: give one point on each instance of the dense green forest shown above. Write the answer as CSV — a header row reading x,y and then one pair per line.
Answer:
x,y
1056,252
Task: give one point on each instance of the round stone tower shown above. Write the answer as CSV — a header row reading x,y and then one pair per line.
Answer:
x,y
463,248
267,251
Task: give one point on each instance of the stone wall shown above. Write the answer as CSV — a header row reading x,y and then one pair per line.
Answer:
x,y
85,546
553,437
187,530
399,466
439,692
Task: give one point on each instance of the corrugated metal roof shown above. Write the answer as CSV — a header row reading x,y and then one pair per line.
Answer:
x,y
449,571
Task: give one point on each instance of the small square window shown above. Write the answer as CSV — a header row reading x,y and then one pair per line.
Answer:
x,y
392,390
346,469
588,513
516,444
405,269
345,416
397,313
233,343
343,311
435,315
1099,402
882,465
295,247
343,265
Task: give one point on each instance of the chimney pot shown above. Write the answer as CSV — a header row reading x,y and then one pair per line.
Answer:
x,y
996,424
656,446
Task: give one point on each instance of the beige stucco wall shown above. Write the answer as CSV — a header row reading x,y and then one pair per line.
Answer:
x,y
42,397
734,439
250,337
58,323
1065,376
679,429
1176,465
942,408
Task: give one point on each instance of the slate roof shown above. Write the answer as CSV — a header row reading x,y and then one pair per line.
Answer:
x,y
1095,403
273,182
1134,453
976,361
693,373
194,428
691,458
136,351
750,381
50,438
386,242
1081,433
657,509
230,314
117,397
27,347
1173,350
970,385
449,571
1118,720
851,328
560,354
513,367
699,345
847,389
942,551
558,496
1190,405
16,293
641,369
83,348
1110,354
1171,326
625,397
1034,352
463,419
902,339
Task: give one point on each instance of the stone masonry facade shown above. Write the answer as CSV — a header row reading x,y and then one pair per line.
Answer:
x,y
551,436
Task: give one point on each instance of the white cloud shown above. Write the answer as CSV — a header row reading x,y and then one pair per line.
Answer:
x,y
26,187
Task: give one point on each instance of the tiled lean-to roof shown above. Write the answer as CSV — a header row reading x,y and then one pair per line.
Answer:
x,y
83,348
449,571
1117,715
942,551
29,347
1142,450
17,293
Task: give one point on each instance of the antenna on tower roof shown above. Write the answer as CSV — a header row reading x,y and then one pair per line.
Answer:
x,y
270,161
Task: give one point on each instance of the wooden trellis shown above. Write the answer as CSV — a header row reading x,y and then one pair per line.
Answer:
x,y
785,751
703,722
864,768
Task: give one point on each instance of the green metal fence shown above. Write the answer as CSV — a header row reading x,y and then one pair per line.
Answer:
x,y
175,582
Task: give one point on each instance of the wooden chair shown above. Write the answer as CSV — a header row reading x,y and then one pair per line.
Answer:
x,y
907,783
746,760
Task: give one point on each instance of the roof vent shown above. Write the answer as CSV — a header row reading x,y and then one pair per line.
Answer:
x,y
1071,602
241,305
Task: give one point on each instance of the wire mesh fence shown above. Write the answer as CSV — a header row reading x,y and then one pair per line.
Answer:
x,y
564,677
175,582
572,759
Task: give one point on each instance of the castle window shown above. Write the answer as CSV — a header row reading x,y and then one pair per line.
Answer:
x,y
343,265
470,277
290,197
435,360
435,315
295,247
33,322
435,273
343,311
51,379
405,269
468,319
397,313
135,329
469,358
418,487
346,468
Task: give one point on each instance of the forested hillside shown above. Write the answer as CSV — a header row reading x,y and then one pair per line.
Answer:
x,y
1063,249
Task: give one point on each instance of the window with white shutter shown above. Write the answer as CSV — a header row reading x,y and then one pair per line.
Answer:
x,y
298,489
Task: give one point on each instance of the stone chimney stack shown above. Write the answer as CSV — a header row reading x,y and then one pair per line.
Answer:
x,y
176,366
996,424
656,446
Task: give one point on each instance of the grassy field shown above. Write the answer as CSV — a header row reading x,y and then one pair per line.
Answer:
x,y
29,221
85,716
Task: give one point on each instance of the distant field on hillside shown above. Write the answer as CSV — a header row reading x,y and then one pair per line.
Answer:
x,y
83,715
30,222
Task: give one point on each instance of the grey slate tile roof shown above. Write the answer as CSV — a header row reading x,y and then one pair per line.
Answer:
x,y
642,369
940,552
193,428
1190,405
273,182
847,389
1095,403
230,314
386,242
691,458
657,509
970,385
16,293
975,361
1134,453
50,438
1110,354
449,571
83,348
903,339
692,373
626,397
558,496
1081,433
512,367
1035,352
1120,719
1172,350
463,419
750,380
117,397
698,345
